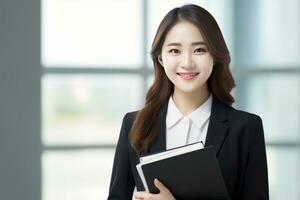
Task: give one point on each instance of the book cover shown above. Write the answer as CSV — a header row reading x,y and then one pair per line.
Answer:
x,y
189,172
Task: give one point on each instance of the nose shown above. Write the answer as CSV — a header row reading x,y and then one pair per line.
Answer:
x,y
187,62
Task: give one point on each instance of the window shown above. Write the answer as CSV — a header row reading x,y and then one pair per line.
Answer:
x,y
267,70
97,66
85,33
92,75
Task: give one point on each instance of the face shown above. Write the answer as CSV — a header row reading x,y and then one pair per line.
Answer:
x,y
185,58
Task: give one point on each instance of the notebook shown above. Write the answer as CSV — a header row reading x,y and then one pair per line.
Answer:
x,y
189,172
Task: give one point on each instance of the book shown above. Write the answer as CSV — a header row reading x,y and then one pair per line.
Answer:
x,y
189,172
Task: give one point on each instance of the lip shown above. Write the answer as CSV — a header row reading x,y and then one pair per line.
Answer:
x,y
187,75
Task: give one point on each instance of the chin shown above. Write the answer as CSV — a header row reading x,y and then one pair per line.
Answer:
x,y
188,90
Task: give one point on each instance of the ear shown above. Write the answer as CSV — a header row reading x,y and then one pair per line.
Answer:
x,y
160,60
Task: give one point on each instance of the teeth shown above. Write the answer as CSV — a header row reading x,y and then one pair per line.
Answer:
x,y
187,75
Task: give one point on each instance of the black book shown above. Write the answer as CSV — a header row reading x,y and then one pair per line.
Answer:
x,y
189,172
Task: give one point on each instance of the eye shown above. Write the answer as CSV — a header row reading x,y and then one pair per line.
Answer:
x,y
200,50
174,51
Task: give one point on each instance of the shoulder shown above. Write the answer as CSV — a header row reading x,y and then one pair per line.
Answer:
x,y
242,116
224,112
130,116
245,124
128,119
238,120
233,115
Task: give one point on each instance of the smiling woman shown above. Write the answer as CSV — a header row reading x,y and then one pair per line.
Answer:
x,y
190,102
185,59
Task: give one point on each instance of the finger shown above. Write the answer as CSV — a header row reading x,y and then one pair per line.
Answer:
x,y
159,185
140,195
137,199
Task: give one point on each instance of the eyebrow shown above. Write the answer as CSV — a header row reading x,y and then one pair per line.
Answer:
x,y
193,44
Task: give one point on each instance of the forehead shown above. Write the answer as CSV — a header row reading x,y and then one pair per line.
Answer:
x,y
183,32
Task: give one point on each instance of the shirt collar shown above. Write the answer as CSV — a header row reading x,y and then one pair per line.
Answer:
x,y
198,116
173,114
202,113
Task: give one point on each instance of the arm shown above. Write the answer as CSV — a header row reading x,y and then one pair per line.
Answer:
x,y
255,182
122,183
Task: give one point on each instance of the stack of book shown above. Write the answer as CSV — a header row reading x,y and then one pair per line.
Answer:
x,y
189,172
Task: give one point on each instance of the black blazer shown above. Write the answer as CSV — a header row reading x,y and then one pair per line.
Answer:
x,y
238,139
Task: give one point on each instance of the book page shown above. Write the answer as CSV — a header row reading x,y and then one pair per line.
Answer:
x,y
170,153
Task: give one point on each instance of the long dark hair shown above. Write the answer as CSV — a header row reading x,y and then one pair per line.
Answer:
x,y
220,83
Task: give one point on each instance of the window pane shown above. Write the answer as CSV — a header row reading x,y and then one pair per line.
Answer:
x,y
276,99
221,10
64,177
87,109
91,33
284,174
274,34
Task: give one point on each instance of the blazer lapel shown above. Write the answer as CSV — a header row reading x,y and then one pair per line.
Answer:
x,y
218,127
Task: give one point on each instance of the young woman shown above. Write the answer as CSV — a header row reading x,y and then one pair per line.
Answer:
x,y
190,101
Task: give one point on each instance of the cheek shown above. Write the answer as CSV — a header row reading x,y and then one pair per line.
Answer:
x,y
170,64
207,65
169,72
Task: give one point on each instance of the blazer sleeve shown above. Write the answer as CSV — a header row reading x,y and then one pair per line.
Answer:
x,y
255,182
122,182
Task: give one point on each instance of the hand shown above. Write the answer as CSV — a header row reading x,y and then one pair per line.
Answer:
x,y
164,193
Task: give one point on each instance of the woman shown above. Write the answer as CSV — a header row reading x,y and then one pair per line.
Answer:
x,y
189,102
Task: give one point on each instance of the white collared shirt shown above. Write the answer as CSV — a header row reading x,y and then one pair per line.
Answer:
x,y
182,130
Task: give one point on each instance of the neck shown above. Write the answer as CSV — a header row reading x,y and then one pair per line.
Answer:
x,y
188,102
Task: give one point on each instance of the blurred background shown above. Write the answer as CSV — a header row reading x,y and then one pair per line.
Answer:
x,y
71,69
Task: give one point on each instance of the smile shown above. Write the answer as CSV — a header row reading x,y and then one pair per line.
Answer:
x,y
187,76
